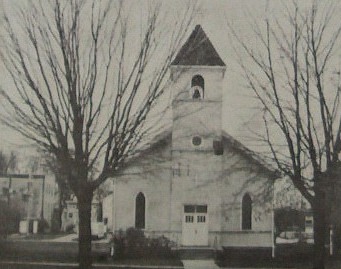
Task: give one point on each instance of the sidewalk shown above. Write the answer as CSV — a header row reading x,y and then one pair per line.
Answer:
x,y
199,264
63,239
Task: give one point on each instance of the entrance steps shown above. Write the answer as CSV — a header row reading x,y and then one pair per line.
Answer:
x,y
199,264
196,253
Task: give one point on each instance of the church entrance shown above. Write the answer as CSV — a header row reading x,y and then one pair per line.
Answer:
x,y
195,225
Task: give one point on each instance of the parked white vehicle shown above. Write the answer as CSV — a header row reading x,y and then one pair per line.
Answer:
x,y
98,229
288,237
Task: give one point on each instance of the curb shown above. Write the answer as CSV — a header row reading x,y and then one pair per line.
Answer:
x,y
99,265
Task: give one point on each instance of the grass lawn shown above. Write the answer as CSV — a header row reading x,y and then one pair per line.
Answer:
x,y
287,256
330,264
38,251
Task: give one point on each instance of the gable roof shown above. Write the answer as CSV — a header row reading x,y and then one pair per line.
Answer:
x,y
165,138
248,152
198,50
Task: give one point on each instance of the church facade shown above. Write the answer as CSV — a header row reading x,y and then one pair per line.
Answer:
x,y
195,184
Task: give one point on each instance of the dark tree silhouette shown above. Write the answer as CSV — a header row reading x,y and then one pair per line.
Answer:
x,y
86,74
293,73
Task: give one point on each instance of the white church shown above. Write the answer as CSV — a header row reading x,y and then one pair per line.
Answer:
x,y
195,184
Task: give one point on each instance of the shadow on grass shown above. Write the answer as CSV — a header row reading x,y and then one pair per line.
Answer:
x,y
35,251
298,256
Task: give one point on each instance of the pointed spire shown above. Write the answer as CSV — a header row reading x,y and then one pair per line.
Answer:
x,y
198,50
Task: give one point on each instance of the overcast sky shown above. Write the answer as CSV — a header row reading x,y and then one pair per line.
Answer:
x,y
238,106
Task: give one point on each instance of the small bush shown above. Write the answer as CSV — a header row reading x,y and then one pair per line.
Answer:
x,y
119,244
69,228
134,244
43,225
9,219
160,247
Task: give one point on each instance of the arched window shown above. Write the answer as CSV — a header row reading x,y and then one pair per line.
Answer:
x,y
197,86
140,211
246,212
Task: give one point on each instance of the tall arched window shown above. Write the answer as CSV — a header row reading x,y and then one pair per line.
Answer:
x,y
247,212
197,86
140,211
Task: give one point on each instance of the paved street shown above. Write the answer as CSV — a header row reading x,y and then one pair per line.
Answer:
x,y
51,265
63,239
188,264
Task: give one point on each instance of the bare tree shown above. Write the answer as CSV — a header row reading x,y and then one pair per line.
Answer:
x,y
86,75
293,72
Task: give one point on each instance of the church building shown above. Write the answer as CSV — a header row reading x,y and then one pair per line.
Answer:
x,y
195,184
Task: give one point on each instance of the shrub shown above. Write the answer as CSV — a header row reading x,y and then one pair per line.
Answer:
x,y
69,228
134,244
43,225
9,219
119,247
160,247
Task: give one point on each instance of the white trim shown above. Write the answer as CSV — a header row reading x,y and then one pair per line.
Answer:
x,y
199,67
273,222
114,223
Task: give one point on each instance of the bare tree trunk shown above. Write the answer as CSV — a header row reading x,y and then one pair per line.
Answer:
x,y
319,229
84,213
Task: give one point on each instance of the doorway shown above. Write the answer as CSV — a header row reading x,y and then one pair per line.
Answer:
x,y
195,225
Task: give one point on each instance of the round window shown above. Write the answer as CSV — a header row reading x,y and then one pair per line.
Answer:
x,y
196,140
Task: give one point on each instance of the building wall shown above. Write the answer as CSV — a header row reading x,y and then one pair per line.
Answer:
x,y
42,194
199,184
181,173
213,180
152,178
243,176
108,211
196,117
70,217
50,197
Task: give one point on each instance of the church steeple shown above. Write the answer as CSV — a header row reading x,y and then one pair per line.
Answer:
x,y
198,50
197,72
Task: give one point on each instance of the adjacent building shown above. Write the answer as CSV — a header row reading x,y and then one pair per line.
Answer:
x,y
30,196
70,218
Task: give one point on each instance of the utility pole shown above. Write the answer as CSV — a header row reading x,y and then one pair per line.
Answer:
x,y
28,204
42,199
9,191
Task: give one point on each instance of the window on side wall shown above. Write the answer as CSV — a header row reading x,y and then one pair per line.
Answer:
x,y
140,211
246,212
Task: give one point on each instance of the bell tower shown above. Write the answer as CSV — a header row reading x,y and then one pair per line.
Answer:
x,y
197,73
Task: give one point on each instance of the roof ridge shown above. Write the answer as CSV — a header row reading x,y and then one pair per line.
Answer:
x,y
253,154
198,50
